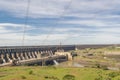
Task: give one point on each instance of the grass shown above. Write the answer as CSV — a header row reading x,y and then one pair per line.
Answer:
x,y
52,73
99,56
60,73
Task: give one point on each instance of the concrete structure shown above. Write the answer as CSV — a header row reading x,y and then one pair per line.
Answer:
x,y
21,56
31,54
69,56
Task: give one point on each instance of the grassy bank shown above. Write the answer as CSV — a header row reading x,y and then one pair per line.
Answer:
x,y
53,73
108,56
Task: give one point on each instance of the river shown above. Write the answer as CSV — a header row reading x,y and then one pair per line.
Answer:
x,y
69,64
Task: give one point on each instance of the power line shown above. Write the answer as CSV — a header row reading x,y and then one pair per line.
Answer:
x,y
60,17
26,21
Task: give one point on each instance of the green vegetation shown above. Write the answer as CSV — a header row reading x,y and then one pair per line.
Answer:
x,y
31,72
98,50
23,77
99,58
52,73
95,61
69,77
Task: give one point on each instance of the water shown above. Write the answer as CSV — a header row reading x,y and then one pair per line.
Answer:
x,y
113,68
75,64
55,62
70,64
4,61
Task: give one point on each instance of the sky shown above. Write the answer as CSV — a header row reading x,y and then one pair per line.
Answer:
x,y
52,22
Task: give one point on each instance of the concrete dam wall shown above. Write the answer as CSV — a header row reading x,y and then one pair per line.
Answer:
x,y
28,55
16,55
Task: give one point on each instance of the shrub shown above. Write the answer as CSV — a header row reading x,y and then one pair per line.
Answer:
x,y
97,65
46,77
104,67
99,78
113,74
30,72
108,78
51,77
69,77
23,77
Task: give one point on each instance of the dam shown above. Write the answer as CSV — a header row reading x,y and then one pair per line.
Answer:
x,y
29,55
42,55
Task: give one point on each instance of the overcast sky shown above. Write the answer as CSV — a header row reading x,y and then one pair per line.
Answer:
x,y
55,21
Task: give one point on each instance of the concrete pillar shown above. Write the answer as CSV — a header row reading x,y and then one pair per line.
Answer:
x,y
29,54
46,53
41,53
33,54
69,57
13,56
8,57
22,57
18,56
38,55
51,52
2,57
26,56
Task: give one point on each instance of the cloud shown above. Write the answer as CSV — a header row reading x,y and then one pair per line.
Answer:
x,y
15,36
11,24
12,28
94,6
84,21
85,9
93,23
38,8
71,35
55,8
58,29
